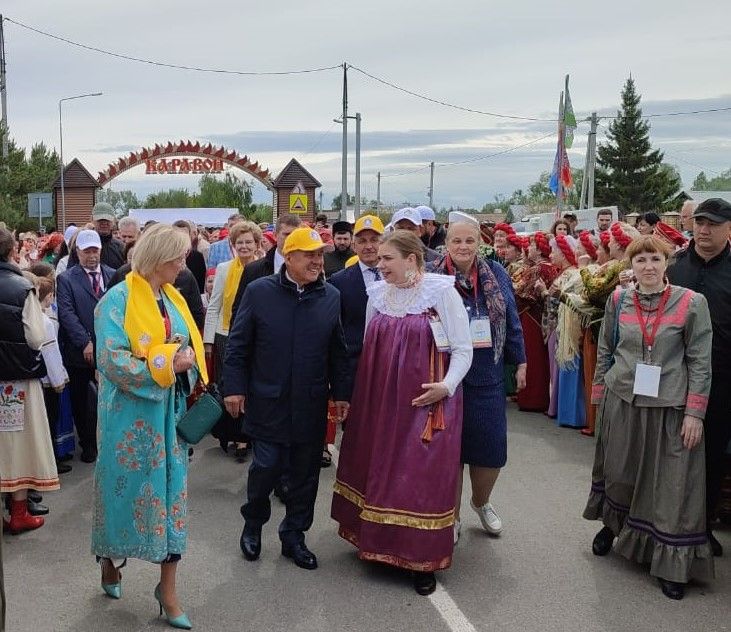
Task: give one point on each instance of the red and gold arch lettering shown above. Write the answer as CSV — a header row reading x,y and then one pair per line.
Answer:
x,y
185,157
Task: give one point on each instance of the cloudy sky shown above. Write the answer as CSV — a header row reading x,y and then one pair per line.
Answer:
x,y
506,58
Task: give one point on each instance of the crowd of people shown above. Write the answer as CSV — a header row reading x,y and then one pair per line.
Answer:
x,y
412,335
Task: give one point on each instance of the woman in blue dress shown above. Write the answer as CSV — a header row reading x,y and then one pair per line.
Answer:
x,y
149,356
497,338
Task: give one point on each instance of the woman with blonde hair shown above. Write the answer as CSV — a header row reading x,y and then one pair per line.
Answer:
x,y
245,238
149,357
405,418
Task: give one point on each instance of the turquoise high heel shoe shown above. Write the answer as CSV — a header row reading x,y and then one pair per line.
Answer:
x,y
113,590
181,621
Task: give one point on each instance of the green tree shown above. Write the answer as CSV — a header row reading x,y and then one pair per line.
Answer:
x,y
722,182
121,201
336,204
231,192
172,198
22,173
629,172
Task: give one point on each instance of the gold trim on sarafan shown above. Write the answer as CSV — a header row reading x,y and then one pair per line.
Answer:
x,y
399,517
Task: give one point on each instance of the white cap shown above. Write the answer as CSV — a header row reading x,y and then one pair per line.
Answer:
x,y
69,233
88,239
408,213
426,213
457,217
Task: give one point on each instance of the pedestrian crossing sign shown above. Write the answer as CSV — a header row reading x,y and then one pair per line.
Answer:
x,y
298,203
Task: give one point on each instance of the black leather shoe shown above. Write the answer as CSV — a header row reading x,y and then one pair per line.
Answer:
x,y
66,457
34,496
63,468
250,544
603,541
424,583
716,547
36,509
302,556
88,456
672,590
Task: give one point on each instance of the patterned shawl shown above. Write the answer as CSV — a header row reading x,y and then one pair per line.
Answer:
x,y
491,291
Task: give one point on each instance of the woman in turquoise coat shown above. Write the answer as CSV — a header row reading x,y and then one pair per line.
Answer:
x,y
149,355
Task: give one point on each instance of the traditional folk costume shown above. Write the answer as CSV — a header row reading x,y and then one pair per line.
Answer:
x,y
646,487
535,397
140,480
404,518
487,293
515,272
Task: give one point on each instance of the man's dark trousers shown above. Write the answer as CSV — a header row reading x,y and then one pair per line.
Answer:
x,y
83,406
717,427
301,461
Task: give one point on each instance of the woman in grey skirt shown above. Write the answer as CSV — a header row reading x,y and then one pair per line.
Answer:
x,y
652,380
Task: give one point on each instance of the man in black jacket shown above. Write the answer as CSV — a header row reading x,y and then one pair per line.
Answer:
x,y
271,262
112,249
286,354
705,267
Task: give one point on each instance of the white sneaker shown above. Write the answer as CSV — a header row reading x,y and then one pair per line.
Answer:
x,y
488,517
457,529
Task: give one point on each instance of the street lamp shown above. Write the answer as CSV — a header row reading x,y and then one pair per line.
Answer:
x,y
60,134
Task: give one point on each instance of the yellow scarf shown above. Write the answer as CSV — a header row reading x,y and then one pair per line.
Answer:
x,y
146,330
231,286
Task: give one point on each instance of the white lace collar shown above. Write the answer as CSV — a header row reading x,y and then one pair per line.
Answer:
x,y
393,301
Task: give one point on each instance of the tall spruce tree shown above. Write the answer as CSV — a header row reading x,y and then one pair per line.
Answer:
x,y
629,172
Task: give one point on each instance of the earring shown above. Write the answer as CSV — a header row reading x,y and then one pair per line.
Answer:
x,y
410,276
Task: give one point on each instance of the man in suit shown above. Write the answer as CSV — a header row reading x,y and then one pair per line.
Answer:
x,y
112,250
352,283
78,292
271,262
286,354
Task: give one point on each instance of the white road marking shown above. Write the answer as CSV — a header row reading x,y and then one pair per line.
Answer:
x,y
446,606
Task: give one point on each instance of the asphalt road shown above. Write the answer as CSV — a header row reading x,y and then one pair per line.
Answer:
x,y
539,575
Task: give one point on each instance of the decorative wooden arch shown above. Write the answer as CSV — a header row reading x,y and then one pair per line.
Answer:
x,y
186,148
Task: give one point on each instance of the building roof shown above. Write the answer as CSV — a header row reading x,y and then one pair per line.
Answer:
x,y
76,176
293,173
702,196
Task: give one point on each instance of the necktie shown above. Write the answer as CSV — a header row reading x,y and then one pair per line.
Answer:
x,y
376,274
95,287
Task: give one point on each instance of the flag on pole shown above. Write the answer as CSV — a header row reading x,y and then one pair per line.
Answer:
x,y
569,120
564,180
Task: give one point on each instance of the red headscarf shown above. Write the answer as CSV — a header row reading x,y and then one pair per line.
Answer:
x,y
270,237
506,228
516,241
604,238
210,272
542,244
588,243
670,234
620,236
562,243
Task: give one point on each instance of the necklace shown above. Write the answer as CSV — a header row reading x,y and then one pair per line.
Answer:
x,y
398,300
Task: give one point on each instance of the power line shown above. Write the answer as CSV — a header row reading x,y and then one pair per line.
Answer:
x,y
404,173
151,62
445,103
319,140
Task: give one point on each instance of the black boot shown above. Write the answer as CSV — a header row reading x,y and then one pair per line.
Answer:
x,y
424,583
672,590
716,547
602,543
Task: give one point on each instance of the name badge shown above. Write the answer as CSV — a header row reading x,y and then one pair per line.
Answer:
x,y
440,336
480,333
647,380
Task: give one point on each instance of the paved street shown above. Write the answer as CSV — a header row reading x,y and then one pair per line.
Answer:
x,y
540,575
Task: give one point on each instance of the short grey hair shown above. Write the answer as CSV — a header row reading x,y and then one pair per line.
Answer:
x,y
128,222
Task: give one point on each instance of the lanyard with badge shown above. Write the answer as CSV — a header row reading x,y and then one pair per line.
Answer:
x,y
647,374
479,323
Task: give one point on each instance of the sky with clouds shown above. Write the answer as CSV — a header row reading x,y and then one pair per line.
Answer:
x,y
507,58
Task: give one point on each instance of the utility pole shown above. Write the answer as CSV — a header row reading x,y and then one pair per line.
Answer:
x,y
589,177
559,188
378,193
344,177
357,165
431,186
3,91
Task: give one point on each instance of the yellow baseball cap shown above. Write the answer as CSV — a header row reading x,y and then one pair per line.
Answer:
x,y
304,238
369,222
352,261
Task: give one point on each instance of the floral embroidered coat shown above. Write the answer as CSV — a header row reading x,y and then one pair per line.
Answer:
x,y
140,481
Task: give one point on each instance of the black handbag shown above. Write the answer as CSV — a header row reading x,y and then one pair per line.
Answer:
x,y
200,418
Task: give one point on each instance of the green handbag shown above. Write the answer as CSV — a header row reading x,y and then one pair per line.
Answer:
x,y
200,418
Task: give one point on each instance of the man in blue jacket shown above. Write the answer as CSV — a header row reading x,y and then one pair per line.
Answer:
x,y
77,294
352,283
285,356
